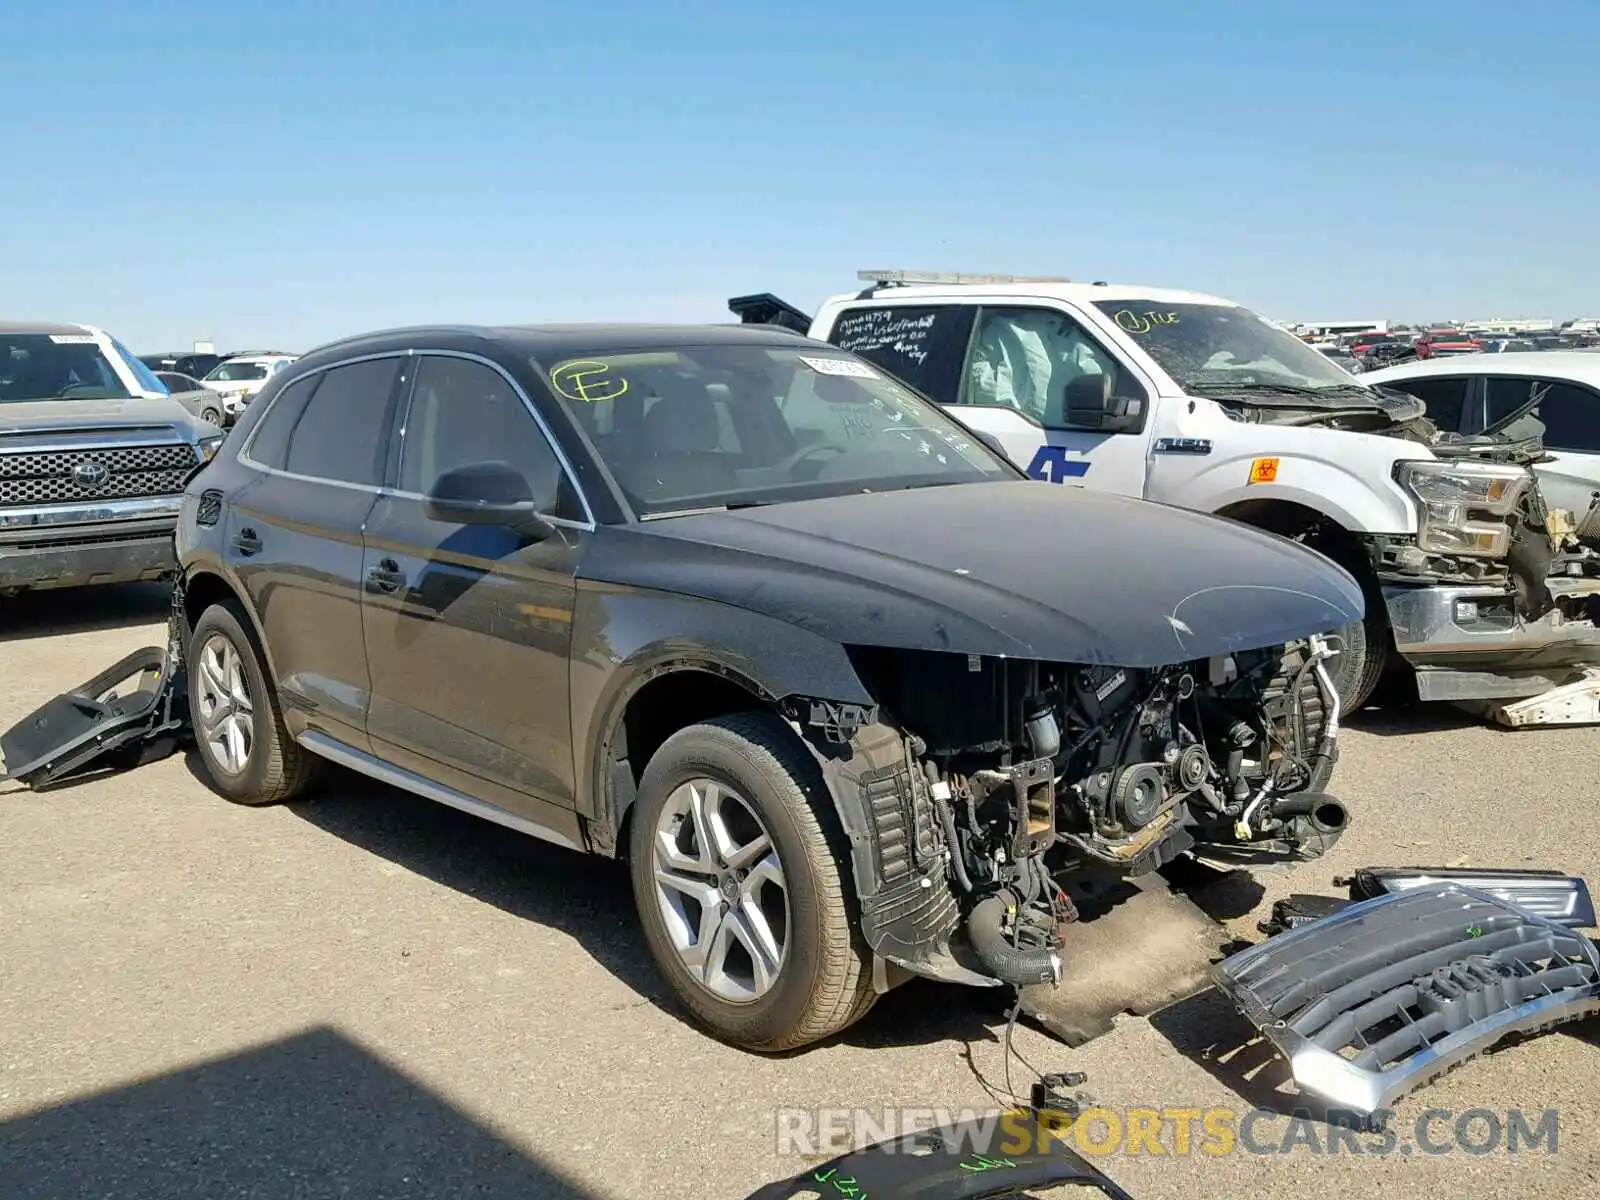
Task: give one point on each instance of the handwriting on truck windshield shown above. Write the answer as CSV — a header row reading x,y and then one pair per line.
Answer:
x,y
1143,322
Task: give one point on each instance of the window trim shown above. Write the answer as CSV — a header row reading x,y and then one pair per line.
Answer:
x,y
399,435
1090,330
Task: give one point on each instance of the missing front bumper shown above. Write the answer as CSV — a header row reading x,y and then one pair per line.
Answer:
x,y
1379,998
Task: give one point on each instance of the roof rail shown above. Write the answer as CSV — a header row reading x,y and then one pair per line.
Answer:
x,y
902,278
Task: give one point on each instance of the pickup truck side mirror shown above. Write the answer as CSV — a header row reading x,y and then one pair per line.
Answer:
x,y
488,493
1090,403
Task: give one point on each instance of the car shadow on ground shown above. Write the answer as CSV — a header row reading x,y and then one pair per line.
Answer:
x,y
588,897
1405,720
82,610
310,1116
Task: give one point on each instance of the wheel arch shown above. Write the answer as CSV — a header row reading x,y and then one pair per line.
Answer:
x,y
203,587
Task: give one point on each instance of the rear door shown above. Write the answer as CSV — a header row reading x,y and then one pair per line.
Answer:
x,y
468,627
293,537
1566,415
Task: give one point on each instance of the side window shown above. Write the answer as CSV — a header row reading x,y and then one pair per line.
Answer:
x,y
270,443
340,433
463,412
1565,415
1444,398
922,345
1027,358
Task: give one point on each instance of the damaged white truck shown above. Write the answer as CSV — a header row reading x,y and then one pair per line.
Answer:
x,y
1193,400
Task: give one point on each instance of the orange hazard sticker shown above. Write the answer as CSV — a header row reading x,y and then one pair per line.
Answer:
x,y
1264,470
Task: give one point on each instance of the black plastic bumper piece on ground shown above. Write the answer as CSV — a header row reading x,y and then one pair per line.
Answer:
x,y
1381,997
963,1162
132,712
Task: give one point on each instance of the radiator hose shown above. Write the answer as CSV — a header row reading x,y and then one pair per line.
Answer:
x,y
1000,958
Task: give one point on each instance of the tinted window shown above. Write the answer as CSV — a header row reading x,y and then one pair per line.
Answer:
x,y
340,433
463,412
1564,416
1444,398
271,439
1025,358
922,345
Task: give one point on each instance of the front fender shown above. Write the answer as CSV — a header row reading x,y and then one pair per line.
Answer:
x,y
622,638
1364,501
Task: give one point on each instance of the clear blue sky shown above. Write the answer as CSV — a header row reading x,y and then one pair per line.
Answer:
x,y
280,174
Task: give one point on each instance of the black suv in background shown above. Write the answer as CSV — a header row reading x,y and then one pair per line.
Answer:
x,y
853,696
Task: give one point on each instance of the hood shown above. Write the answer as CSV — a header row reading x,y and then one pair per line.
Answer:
x,y
1019,569
62,416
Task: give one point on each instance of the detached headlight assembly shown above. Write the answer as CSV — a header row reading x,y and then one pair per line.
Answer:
x,y
1462,507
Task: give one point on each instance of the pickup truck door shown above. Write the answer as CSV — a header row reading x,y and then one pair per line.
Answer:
x,y
1002,369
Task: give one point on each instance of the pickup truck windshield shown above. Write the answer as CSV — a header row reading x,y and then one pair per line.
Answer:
x,y
1199,344
719,426
42,366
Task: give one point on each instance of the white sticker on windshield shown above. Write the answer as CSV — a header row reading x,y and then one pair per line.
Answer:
x,y
74,339
839,366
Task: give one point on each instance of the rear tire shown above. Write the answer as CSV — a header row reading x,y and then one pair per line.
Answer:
x,y
248,754
720,804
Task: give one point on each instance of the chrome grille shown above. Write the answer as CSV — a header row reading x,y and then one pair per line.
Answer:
x,y
63,476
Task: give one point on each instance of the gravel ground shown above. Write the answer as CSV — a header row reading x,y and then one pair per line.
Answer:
x,y
368,995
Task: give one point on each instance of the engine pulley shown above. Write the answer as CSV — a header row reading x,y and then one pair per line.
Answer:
x,y
1138,795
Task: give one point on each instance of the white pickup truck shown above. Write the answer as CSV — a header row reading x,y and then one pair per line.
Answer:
x,y
1195,401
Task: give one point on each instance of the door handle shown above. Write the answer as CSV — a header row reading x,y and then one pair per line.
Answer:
x,y
386,576
246,542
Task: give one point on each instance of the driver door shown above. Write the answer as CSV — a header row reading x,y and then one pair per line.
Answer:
x,y
1020,364
468,627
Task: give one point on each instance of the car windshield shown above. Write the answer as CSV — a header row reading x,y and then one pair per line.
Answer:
x,y
1215,344
237,372
44,366
717,426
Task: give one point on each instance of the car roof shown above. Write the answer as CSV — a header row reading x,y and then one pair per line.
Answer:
x,y
1568,364
1077,293
43,327
564,340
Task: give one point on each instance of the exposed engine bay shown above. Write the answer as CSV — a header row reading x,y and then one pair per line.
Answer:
x,y
1040,774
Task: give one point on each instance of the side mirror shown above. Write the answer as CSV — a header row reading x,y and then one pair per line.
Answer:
x,y
487,493
1090,403
992,442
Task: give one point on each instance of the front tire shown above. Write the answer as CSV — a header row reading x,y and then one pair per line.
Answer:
x,y
740,888
212,415
1361,662
248,754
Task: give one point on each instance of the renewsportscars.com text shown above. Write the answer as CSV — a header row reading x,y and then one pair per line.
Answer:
x,y
1179,1132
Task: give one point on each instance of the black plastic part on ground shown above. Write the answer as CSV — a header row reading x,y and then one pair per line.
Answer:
x,y
954,1164
133,712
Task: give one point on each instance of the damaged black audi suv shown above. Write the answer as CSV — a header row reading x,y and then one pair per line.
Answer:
x,y
854,698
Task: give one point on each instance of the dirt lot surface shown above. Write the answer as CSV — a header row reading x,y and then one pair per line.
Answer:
x,y
368,995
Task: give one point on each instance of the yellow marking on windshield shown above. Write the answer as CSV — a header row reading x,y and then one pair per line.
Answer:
x,y
1144,322
588,381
